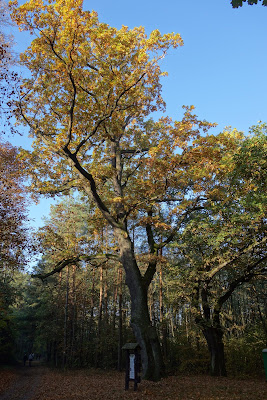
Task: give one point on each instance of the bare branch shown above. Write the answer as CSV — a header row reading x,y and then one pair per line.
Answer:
x,y
74,260
246,277
179,224
244,250
92,191
107,116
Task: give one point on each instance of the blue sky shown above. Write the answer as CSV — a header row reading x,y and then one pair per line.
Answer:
x,y
220,69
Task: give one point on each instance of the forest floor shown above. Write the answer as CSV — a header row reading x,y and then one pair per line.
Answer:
x,y
42,383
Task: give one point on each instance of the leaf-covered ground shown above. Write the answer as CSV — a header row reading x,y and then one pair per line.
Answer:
x,y
40,383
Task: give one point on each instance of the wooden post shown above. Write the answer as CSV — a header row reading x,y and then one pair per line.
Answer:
x,y
133,364
127,372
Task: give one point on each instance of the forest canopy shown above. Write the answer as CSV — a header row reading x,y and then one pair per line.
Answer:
x,y
239,3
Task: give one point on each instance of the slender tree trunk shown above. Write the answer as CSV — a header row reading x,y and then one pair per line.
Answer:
x,y
163,325
151,304
115,299
100,308
120,335
100,312
105,286
92,302
160,294
145,333
72,315
82,331
262,319
66,319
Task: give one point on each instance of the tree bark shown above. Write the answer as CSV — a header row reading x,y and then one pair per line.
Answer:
x,y
65,355
120,335
163,325
210,325
215,343
145,333
99,327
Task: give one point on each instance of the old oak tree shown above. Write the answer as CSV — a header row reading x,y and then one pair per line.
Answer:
x,y
87,102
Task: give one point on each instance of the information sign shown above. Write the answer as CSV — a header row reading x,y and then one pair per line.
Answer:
x,y
132,358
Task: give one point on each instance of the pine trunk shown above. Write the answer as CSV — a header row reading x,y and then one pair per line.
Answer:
x,y
120,336
65,343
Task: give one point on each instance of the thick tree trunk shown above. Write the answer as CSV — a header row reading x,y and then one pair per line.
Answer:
x,y
146,336
214,340
209,322
145,333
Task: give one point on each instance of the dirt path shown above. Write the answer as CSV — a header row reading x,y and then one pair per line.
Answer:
x,y
23,386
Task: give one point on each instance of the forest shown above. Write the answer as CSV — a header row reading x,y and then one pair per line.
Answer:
x,y
158,236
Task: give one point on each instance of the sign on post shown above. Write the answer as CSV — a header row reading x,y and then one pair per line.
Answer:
x,y
131,372
133,364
